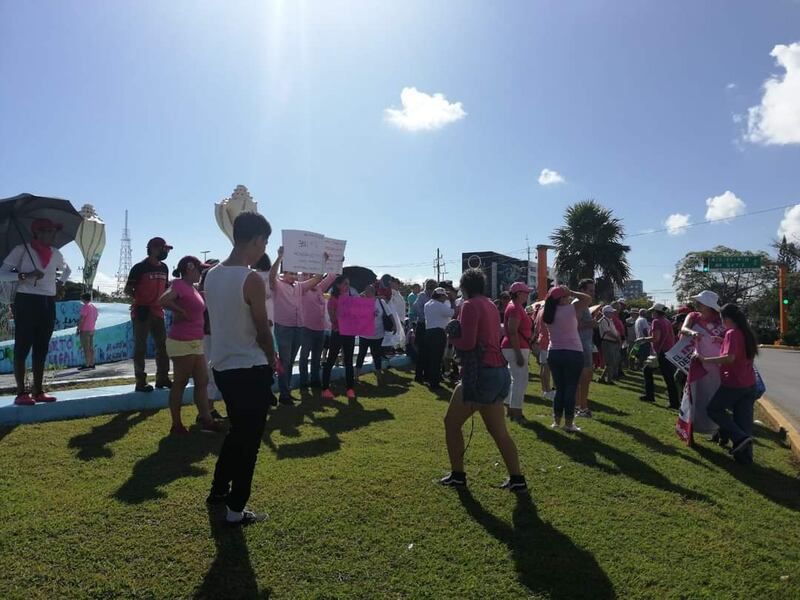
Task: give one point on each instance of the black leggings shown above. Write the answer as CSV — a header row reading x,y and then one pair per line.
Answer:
x,y
375,348
345,343
34,319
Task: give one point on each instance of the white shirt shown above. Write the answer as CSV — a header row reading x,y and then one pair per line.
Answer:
x,y
641,327
20,260
608,331
380,332
437,314
398,304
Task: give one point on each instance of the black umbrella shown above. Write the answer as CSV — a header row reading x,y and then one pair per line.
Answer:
x,y
18,213
360,277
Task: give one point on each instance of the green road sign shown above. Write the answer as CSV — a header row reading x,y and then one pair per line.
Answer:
x,y
731,263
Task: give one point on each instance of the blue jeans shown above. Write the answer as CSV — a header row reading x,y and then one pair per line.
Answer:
x,y
566,367
310,344
738,400
288,347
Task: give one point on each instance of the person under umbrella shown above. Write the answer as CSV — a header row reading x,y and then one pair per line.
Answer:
x,y
37,266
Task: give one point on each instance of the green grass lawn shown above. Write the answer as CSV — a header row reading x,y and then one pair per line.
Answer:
x,y
110,507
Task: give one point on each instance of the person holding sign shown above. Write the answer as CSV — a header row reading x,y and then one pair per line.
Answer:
x,y
737,391
344,343
313,335
662,339
287,299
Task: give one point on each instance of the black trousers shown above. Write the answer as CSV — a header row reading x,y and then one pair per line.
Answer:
x,y
375,348
668,373
347,344
34,319
422,350
435,340
247,394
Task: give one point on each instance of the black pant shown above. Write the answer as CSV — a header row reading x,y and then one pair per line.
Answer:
x,y
345,343
247,394
668,373
34,320
435,342
422,350
375,348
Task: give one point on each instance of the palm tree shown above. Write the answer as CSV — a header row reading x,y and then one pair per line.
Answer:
x,y
590,244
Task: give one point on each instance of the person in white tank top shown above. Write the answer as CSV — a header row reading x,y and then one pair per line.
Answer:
x,y
242,360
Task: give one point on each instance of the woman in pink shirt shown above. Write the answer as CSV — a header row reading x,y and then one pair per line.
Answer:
x,y
565,353
737,390
185,343
543,340
479,342
344,343
516,346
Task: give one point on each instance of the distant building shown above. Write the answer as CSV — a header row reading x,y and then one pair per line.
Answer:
x,y
633,288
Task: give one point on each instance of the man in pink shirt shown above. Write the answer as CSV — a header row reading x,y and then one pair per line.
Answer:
x,y
287,296
86,327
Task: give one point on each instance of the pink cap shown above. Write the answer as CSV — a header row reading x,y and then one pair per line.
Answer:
x,y
518,287
557,292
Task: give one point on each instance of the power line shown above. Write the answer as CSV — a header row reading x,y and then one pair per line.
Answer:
x,y
707,221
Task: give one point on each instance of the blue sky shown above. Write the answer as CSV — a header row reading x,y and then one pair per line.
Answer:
x,y
164,107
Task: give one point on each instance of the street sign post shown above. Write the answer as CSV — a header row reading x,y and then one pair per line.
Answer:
x,y
738,262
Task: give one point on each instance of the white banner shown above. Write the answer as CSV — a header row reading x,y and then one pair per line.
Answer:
x,y
304,252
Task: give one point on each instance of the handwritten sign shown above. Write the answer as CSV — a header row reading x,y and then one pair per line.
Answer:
x,y
356,315
302,251
335,251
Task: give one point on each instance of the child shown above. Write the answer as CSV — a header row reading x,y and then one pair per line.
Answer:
x,y
86,325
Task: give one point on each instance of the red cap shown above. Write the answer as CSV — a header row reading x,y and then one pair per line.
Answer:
x,y
158,241
518,287
684,310
557,292
40,224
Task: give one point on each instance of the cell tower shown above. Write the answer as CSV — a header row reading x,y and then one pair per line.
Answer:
x,y
125,255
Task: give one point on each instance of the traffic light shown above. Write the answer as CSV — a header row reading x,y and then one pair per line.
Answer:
x,y
706,265
786,301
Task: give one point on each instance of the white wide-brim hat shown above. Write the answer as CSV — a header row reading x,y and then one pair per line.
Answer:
x,y
709,299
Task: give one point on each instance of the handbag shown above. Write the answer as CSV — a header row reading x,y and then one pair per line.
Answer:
x,y
388,322
761,387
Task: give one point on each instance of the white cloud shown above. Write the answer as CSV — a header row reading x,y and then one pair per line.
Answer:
x,y
777,119
550,177
676,224
730,86
423,112
667,276
790,224
725,206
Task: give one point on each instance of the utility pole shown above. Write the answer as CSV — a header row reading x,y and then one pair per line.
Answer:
x,y
528,244
438,265
205,254
783,301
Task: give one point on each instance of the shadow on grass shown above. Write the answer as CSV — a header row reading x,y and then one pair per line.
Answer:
x,y
346,416
231,574
4,431
651,442
94,444
775,486
585,449
174,459
547,562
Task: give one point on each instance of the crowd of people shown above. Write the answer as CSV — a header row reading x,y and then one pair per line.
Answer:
x,y
238,323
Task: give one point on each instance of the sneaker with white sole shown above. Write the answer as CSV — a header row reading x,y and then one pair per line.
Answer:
x,y
572,428
555,425
248,518
515,483
454,480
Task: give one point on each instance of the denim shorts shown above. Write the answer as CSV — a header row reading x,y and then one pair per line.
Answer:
x,y
494,383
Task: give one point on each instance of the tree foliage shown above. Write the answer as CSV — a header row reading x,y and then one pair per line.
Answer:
x,y
589,244
731,286
788,254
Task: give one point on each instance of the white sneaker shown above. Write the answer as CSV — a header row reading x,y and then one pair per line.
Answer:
x,y
555,425
549,395
572,428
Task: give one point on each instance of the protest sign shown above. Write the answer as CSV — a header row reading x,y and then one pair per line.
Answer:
x,y
681,354
303,251
335,251
356,315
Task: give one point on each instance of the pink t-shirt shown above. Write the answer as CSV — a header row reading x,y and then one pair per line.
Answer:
x,y
524,329
480,324
333,305
739,373
667,339
544,335
89,315
564,329
313,305
189,299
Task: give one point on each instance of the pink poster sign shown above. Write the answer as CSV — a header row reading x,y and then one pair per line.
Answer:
x,y
356,315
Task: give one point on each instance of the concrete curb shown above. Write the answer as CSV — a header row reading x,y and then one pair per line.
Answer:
x,y
780,422
89,402
776,347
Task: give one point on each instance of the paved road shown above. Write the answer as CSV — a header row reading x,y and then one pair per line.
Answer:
x,y
781,372
123,368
